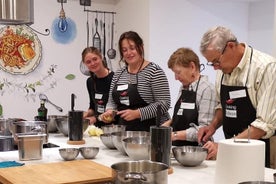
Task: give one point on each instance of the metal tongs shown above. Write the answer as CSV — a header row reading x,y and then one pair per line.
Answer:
x,y
243,140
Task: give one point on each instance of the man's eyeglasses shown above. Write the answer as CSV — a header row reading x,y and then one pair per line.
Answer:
x,y
217,61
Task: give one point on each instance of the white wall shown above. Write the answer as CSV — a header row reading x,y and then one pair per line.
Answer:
x,y
261,25
67,57
165,25
182,24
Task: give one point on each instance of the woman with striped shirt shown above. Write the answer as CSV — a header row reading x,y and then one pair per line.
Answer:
x,y
138,88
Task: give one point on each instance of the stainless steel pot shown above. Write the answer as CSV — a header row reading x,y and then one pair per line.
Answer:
x,y
142,172
6,143
5,127
256,182
30,127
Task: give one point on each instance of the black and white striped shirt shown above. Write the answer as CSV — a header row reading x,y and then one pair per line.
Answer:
x,y
152,85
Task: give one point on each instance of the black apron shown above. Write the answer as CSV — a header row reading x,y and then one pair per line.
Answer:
x,y
100,105
185,112
126,96
238,112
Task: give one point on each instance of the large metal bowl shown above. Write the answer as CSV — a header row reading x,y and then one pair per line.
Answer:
x,y
108,129
5,127
117,138
52,125
107,140
62,124
137,148
189,155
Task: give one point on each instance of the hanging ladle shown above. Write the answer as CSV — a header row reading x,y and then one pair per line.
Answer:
x,y
45,98
111,53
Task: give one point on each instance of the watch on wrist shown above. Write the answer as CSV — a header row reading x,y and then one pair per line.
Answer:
x,y
175,134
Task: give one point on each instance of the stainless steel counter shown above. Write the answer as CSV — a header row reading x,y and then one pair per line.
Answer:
x,y
205,173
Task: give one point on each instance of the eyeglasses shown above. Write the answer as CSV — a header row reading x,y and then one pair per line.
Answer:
x,y
217,61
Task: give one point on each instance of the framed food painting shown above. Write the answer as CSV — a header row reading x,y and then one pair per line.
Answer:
x,y
20,49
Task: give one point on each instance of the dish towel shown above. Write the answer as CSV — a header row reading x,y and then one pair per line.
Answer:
x,y
6,164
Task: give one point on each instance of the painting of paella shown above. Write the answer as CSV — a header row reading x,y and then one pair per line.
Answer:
x,y
20,49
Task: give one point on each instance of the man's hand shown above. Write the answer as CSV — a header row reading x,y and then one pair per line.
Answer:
x,y
205,133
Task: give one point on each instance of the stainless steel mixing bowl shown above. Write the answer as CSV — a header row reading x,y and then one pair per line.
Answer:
x,y
189,155
63,125
89,152
107,140
137,148
69,153
108,129
117,138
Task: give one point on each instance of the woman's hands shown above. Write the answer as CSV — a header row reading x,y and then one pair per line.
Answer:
x,y
204,136
92,120
129,114
108,116
212,150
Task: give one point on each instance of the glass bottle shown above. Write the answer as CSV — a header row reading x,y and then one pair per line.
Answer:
x,y
42,111
1,111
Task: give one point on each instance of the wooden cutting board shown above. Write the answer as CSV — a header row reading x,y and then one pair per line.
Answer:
x,y
73,172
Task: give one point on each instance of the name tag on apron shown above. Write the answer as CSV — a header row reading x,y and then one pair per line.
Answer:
x,y
180,112
185,105
231,111
122,87
98,96
237,94
101,109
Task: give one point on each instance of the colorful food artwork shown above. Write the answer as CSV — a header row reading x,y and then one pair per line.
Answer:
x,y
20,49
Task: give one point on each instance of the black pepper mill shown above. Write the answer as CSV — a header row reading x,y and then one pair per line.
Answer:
x,y
75,124
160,141
161,144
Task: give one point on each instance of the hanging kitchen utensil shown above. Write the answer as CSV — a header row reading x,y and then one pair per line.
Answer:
x,y
73,96
84,70
45,98
109,64
96,37
87,30
101,32
104,40
111,53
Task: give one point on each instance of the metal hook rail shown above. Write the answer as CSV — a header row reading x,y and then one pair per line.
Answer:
x,y
98,11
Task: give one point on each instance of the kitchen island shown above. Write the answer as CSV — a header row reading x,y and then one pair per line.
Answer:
x,y
204,173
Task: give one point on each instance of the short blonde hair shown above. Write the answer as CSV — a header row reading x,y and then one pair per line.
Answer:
x,y
183,57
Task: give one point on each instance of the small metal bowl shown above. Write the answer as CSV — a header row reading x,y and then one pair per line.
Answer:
x,y
189,155
69,153
89,152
